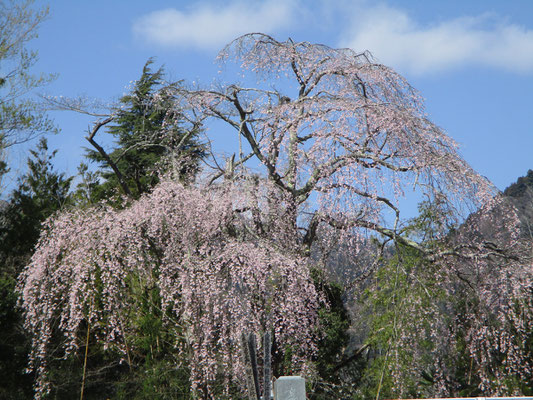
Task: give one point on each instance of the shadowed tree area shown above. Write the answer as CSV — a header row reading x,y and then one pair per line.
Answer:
x,y
40,193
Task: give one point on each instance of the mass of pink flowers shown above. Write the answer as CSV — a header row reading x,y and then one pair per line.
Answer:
x,y
218,280
496,276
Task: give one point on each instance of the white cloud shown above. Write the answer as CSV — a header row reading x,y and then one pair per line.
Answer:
x,y
208,26
396,40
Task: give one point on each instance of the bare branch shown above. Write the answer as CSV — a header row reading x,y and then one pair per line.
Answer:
x,y
106,157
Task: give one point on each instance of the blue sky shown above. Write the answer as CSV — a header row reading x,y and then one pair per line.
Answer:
x,y
471,60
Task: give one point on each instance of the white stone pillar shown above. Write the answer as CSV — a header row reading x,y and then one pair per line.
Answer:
x,y
289,388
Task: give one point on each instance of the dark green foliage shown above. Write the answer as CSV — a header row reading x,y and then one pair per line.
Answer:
x,y
3,168
103,368
40,193
150,138
87,188
333,360
108,377
157,370
334,324
150,369
14,345
159,380
520,186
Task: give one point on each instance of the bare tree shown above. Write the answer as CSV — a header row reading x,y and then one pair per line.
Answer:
x,y
21,117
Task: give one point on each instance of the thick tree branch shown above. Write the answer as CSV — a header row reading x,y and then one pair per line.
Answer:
x,y
329,168
245,131
389,233
223,171
106,157
350,359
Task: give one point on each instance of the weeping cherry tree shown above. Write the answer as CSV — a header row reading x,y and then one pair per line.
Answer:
x,y
336,141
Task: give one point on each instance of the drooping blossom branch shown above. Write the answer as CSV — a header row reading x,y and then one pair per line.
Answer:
x,y
217,276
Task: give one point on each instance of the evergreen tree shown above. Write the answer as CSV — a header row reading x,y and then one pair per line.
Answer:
x,y
87,187
519,187
150,139
40,193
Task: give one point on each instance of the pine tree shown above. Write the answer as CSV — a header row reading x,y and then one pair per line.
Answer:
x,y
150,138
40,193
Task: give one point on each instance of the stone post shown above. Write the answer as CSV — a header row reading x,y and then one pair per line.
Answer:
x,y
289,388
